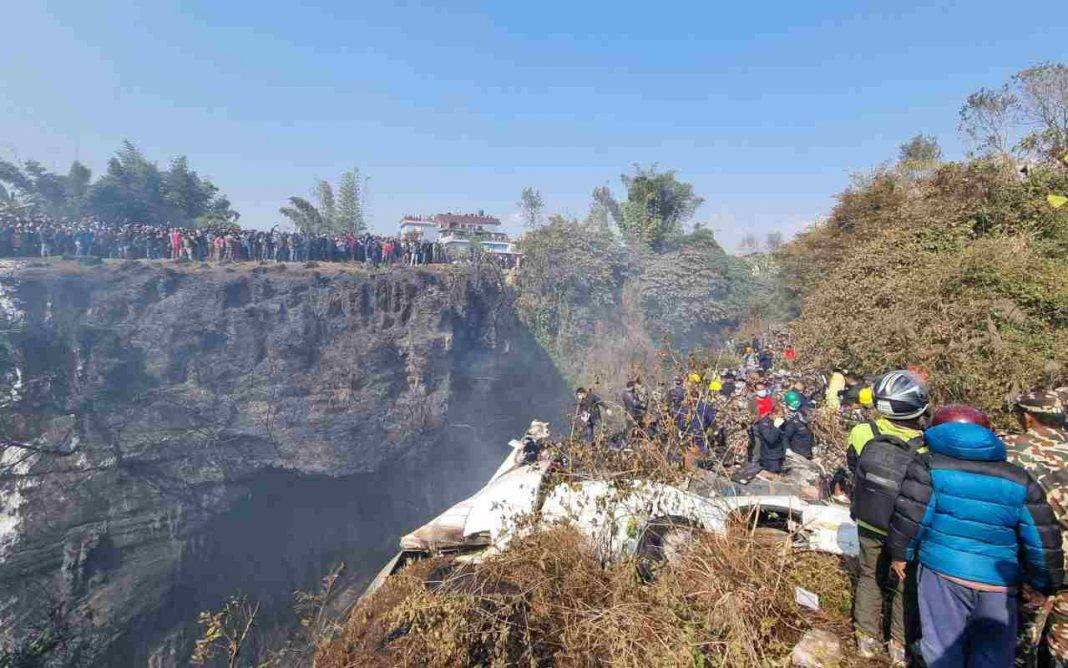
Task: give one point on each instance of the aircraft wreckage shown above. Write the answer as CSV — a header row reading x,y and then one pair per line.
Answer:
x,y
642,517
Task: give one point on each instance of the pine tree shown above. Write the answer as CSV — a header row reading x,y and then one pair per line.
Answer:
x,y
324,195
349,203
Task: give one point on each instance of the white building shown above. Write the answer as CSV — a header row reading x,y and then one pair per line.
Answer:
x,y
457,231
419,227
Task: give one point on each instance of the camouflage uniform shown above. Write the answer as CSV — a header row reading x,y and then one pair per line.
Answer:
x,y
1043,452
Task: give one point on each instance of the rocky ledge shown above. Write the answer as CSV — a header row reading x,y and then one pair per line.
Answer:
x,y
175,434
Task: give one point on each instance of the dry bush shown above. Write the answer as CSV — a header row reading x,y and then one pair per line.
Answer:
x,y
964,273
551,599
548,600
829,433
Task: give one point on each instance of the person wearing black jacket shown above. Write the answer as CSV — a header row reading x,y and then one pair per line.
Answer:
x,y
796,435
765,359
729,385
634,403
768,442
677,394
588,412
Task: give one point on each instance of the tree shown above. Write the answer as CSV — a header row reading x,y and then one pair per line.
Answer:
x,y
349,203
135,189
1042,92
14,185
530,207
572,279
303,214
79,178
657,206
604,207
988,118
331,214
324,196
183,191
49,189
919,156
1027,117
691,294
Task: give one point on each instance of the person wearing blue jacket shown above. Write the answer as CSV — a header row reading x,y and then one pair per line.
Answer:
x,y
979,527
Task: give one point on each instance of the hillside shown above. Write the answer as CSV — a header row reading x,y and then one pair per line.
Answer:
x,y
962,271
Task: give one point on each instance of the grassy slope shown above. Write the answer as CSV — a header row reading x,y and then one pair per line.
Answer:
x,y
964,272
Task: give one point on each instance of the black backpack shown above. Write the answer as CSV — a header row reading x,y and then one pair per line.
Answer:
x,y
877,479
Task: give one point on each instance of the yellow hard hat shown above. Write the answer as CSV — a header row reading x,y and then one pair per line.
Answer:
x,y
694,377
715,385
865,397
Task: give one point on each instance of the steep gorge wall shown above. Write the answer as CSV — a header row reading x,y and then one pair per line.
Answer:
x,y
198,431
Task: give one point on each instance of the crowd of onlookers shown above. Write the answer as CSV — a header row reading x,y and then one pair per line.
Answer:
x,y
24,234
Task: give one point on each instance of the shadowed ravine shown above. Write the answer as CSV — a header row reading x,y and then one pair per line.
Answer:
x,y
200,431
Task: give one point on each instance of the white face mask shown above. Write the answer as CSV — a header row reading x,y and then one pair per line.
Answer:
x,y
762,393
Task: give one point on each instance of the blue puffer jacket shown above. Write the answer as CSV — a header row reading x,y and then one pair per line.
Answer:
x,y
971,515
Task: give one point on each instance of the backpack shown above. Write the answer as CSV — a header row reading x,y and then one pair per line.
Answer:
x,y
877,480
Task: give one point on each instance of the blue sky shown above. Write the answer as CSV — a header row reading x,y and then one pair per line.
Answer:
x,y
766,107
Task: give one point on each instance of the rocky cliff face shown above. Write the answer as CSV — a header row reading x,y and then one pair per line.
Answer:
x,y
173,435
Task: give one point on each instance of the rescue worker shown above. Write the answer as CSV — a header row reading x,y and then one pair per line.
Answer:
x,y
766,449
1042,450
693,419
979,527
807,403
835,384
762,403
588,412
750,362
796,435
715,386
769,440
878,609
865,397
729,386
765,359
634,403
850,395
677,394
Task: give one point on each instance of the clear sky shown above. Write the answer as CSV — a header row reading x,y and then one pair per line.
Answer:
x,y
767,107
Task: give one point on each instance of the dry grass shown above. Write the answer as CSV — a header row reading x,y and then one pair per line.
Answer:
x,y
548,600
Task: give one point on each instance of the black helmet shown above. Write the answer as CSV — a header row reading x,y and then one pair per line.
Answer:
x,y
900,395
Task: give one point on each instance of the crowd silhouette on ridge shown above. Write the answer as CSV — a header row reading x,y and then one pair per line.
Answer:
x,y
28,234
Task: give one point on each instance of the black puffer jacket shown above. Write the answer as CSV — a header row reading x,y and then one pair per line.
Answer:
x,y
797,437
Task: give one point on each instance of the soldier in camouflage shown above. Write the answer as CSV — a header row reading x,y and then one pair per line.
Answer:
x,y
1043,450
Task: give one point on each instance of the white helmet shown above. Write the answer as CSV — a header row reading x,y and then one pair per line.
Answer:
x,y
900,395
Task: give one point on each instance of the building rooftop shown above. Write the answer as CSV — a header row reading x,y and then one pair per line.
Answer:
x,y
447,219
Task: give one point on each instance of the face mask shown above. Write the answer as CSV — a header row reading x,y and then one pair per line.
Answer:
x,y
762,393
